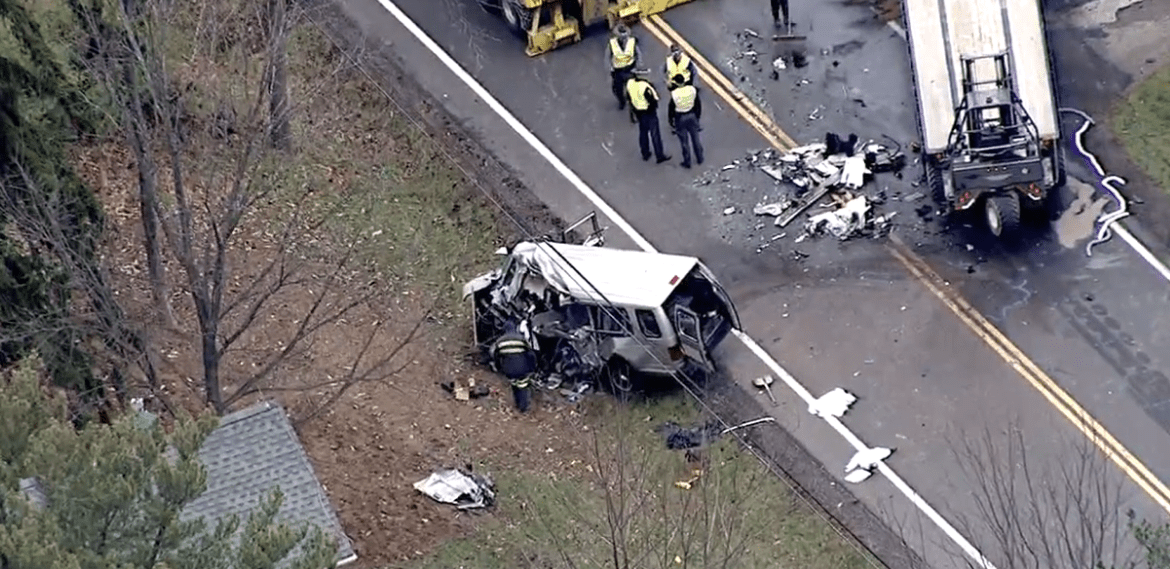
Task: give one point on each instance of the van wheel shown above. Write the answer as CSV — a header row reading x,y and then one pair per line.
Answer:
x,y
618,378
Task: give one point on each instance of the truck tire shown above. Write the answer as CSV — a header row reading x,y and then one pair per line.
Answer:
x,y
518,17
934,181
1003,214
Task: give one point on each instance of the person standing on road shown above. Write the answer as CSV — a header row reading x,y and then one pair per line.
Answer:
x,y
514,357
622,54
683,112
677,63
644,104
780,8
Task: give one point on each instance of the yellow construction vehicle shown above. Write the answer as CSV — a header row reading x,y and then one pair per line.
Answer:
x,y
549,24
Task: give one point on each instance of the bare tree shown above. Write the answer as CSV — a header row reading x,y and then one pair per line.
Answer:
x,y
247,239
647,506
43,219
277,75
1066,509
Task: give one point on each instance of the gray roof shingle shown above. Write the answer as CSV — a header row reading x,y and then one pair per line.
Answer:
x,y
251,452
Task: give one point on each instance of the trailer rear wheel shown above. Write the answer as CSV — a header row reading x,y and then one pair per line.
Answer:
x,y
934,181
1003,213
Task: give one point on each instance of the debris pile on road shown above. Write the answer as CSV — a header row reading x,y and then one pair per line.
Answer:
x,y
839,169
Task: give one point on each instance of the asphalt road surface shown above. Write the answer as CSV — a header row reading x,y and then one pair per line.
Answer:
x,y
843,314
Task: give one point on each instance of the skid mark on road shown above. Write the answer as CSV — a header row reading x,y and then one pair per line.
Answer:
x,y
1150,388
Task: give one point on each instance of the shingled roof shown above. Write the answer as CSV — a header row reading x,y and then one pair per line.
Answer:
x,y
251,452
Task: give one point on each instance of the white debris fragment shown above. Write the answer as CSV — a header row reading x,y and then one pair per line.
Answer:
x,y
843,222
773,209
778,64
834,403
854,172
776,173
729,210
458,489
858,476
863,463
728,167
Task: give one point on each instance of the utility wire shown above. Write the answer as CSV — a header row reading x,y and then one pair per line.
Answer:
x,y
687,383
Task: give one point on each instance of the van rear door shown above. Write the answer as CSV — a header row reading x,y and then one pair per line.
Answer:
x,y
722,293
690,337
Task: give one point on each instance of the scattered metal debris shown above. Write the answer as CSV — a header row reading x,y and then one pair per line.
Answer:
x,y
834,403
842,223
681,438
861,466
765,383
465,392
464,491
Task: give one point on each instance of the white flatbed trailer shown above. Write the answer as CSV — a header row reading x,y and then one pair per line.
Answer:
x,y
957,41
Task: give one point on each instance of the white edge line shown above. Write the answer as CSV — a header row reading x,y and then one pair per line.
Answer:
x,y
1143,251
645,245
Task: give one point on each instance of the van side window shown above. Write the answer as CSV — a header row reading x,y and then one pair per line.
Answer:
x,y
649,324
611,319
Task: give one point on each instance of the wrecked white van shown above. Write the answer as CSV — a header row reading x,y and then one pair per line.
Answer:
x,y
604,315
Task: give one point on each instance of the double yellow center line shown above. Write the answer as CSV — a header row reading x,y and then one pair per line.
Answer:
x,y
1081,419
721,85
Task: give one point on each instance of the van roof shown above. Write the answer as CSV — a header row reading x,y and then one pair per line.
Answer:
x,y
632,278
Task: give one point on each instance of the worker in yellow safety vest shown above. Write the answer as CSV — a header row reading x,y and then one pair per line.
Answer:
x,y
677,63
683,113
514,357
622,54
644,104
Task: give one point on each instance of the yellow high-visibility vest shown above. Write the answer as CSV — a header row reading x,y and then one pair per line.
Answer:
x,y
510,346
622,57
684,98
636,89
680,67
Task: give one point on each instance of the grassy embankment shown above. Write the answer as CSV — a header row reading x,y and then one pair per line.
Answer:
x,y
1142,122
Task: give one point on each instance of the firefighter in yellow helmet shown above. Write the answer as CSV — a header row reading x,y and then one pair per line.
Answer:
x,y
514,357
623,55
644,104
683,113
677,63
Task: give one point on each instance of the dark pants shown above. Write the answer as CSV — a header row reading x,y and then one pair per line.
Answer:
x,y
686,126
620,76
518,368
523,398
779,7
648,132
